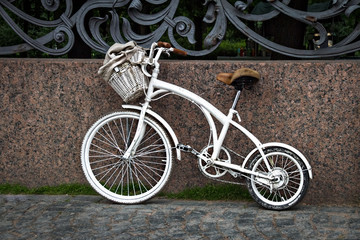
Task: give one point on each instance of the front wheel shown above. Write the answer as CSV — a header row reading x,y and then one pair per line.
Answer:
x,y
290,179
126,180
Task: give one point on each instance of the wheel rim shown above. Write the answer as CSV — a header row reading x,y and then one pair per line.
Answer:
x,y
289,179
133,179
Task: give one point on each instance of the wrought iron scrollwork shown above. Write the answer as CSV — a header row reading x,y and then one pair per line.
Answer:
x,y
62,29
165,22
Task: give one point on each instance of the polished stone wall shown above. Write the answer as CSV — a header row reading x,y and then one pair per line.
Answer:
x,y
47,105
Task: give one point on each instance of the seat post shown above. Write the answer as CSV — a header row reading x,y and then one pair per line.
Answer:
x,y
236,99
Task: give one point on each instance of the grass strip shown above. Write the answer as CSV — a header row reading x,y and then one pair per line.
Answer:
x,y
69,189
227,192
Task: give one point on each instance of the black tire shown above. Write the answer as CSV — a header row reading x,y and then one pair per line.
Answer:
x,y
292,183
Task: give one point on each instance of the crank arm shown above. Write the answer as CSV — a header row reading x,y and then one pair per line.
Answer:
x,y
187,148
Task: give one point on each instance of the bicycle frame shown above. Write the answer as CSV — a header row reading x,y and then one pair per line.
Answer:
x,y
158,87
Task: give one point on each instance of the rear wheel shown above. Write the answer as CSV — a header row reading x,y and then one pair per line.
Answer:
x,y
291,179
132,180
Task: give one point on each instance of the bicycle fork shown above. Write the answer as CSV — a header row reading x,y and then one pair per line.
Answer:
x,y
140,131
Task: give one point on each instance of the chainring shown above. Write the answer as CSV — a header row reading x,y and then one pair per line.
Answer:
x,y
211,170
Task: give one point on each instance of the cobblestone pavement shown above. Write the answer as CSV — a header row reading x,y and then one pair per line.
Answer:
x,y
92,217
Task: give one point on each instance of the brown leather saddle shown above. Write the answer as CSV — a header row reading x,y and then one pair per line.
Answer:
x,y
243,77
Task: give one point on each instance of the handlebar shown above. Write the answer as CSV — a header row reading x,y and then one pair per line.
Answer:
x,y
160,47
179,52
174,50
164,44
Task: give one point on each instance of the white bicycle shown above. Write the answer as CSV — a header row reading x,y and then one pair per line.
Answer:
x,y
127,155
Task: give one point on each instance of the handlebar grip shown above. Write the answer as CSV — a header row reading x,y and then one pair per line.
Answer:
x,y
164,44
179,52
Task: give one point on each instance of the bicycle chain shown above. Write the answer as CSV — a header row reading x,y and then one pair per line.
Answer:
x,y
241,175
223,181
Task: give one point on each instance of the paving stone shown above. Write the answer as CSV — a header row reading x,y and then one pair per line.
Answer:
x,y
91,217
193,227
252,233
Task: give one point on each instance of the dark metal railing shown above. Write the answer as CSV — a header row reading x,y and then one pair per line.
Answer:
x,y
93,29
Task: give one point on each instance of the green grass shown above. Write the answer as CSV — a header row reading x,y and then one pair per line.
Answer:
x,y
70,189
226,192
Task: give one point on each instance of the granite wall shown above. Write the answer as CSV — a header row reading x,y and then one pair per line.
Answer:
x,y
47,105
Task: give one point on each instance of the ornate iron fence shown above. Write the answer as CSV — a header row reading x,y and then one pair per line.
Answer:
x,y
165,21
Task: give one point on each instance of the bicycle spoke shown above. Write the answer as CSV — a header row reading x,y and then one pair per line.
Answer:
x,y
111,135
109,138
149,146
286,189
263,168
140,184
277,158
104,153
148,138
152,169
117,176
121,185
103,160
140,176
107,170
127,132
293,187
107,143
152,162
145,178
114,171
122,133
151,153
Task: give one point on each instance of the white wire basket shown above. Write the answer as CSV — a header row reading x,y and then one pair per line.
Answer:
x,y
129,81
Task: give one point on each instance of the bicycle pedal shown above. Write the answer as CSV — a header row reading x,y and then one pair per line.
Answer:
x,y
184,148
